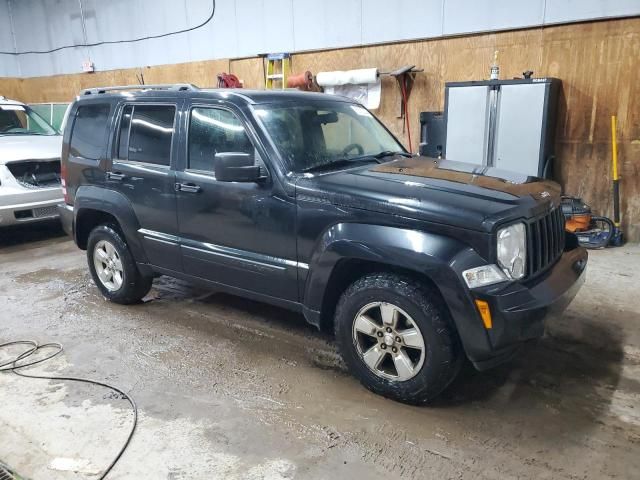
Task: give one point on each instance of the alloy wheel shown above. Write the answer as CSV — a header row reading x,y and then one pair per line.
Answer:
x,y
108,265
388,341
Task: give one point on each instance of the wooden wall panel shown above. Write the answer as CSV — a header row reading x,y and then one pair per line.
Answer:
x,y
598,63
63,88
250,71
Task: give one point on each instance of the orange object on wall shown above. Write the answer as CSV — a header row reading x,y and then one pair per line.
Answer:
x,y
302,81
228,80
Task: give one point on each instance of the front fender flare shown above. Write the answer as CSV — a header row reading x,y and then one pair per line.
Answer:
x,y
436,256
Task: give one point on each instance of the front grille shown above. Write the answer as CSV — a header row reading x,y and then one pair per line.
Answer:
x,y
45,212
41,212
545,238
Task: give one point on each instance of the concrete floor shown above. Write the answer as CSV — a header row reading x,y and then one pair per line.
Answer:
x,y
232,389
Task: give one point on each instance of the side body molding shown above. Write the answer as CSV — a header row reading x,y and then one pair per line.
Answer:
x,y
116,204
439,257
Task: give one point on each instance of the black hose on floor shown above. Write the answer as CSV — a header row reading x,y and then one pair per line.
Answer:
x,y
14,365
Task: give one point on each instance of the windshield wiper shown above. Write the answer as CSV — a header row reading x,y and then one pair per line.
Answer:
x,y
339,162
389,153
379,156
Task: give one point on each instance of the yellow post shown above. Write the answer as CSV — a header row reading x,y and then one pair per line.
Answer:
x,y
614,172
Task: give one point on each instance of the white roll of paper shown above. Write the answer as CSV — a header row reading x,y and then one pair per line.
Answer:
x,y
352,77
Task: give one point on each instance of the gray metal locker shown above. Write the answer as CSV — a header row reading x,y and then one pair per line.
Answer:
x,y
507,124
466,124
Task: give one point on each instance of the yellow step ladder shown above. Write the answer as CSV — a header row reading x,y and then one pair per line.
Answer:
x,y
278,65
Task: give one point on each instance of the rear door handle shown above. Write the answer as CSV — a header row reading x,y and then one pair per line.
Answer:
x,y
115,176
188,187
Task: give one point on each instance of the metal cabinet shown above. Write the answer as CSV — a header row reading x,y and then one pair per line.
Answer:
x,y
508,124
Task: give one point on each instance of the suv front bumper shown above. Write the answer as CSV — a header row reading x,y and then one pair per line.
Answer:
x,y
519,310
21,206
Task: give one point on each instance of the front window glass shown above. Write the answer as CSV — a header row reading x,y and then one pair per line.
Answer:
x,y
22,120
211,131
310,136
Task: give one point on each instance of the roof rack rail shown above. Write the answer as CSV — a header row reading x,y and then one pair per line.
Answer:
x,y
179,87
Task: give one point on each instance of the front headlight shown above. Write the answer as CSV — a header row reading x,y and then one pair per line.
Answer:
x,y
512,250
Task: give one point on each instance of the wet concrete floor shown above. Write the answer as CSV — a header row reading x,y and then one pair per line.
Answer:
x,y
229,388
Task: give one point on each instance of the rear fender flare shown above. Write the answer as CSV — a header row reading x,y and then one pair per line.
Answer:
x,y
117,205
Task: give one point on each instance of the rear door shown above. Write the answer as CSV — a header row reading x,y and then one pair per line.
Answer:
x,y
142,171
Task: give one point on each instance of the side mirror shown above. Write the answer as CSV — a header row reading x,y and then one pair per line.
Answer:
x,y
235,167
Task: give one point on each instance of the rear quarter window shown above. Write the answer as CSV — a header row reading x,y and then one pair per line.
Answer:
x,y
89,134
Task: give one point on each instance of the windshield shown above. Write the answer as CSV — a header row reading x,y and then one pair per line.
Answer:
x,y
313,135
22,120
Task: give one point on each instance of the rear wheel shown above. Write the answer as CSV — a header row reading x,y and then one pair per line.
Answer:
x,y
113,268
396,336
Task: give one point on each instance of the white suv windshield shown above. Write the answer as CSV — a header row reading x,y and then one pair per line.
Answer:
x,y
21,120
316,135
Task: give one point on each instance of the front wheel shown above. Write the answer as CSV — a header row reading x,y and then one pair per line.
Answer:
x,y
397,337
113,268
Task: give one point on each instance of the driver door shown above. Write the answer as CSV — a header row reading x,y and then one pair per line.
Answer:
x,y
240,234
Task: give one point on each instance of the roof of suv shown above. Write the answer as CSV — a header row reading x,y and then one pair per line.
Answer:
x,y
235,95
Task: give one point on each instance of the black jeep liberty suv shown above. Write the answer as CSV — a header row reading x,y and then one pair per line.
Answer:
x,y
307,201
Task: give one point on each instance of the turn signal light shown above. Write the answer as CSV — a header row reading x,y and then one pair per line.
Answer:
x,y
485,313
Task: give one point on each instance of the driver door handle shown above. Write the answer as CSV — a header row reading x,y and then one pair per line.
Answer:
x,y
188,187
117,176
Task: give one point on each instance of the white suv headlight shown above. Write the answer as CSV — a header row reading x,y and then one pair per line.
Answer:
x,y
512,250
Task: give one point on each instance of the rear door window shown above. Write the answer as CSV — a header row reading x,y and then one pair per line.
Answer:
x,y
125,125
88,138
146,132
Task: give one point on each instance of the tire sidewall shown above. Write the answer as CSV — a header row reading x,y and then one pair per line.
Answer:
x,y
437,352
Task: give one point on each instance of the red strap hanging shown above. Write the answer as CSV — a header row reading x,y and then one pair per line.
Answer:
x,y
228,80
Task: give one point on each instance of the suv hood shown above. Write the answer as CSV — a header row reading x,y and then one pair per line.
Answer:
x,y
29,147
442,191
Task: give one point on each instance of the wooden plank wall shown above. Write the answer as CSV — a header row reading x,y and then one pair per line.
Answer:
x,y
598,62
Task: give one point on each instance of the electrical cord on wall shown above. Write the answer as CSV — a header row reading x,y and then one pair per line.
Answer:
x,y
113,42
17,363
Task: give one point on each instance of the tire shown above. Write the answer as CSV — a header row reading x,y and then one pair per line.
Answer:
x,y
420,314
127,284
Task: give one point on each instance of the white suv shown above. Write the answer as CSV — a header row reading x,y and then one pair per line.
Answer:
x,y
30,151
